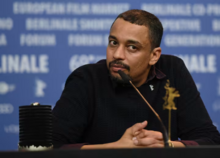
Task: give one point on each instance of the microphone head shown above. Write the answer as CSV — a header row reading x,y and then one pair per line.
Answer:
x,y
124,77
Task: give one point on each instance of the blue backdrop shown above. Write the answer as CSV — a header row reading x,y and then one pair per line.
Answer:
x,y
42,41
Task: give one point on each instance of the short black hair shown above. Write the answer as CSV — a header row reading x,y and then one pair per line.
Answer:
x,y
141,17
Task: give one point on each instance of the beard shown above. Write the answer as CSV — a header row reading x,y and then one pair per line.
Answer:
x,y
118,78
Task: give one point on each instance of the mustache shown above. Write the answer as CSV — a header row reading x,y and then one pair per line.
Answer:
x,y
118,62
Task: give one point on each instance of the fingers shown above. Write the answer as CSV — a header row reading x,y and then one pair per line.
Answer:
x,y
149,138
149,133
148,142
136,129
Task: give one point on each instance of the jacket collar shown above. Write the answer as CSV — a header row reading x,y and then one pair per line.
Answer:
x,y
154,73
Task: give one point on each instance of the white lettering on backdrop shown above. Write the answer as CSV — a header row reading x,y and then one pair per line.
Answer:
x,y
24,63
51,24
6,23
37,40
200,63
79,60
173,40
51,8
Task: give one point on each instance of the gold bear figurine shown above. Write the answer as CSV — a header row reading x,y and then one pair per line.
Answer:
x,y
171,93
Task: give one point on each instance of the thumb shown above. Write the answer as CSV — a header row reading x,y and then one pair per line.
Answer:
x,y
136,129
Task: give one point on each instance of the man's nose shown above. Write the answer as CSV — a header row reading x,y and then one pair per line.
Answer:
x,y
119,53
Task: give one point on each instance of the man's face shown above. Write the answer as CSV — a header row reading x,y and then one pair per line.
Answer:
x,y
129,50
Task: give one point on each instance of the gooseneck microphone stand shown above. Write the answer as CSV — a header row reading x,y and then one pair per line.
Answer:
x,y
127,79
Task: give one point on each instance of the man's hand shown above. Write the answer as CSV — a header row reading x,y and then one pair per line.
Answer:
x,y
135,137
126,141
148,138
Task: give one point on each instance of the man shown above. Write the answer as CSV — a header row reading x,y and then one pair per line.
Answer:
x,y
98,110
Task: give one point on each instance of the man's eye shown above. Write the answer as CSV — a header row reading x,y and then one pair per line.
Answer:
x,y
132,47
112,42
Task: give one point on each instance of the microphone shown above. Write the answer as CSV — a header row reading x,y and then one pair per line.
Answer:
x,y
127,79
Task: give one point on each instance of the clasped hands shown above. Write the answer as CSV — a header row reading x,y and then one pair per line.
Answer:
x,y
138,137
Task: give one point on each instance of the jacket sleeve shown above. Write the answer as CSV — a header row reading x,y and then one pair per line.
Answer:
x,y
70,113
194,122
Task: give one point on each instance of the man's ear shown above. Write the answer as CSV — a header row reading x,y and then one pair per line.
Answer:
x,y
155,55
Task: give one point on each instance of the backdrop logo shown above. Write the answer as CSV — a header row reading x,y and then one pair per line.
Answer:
x,y
216,105
5,88
14,129
6,108
39,88
198,85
